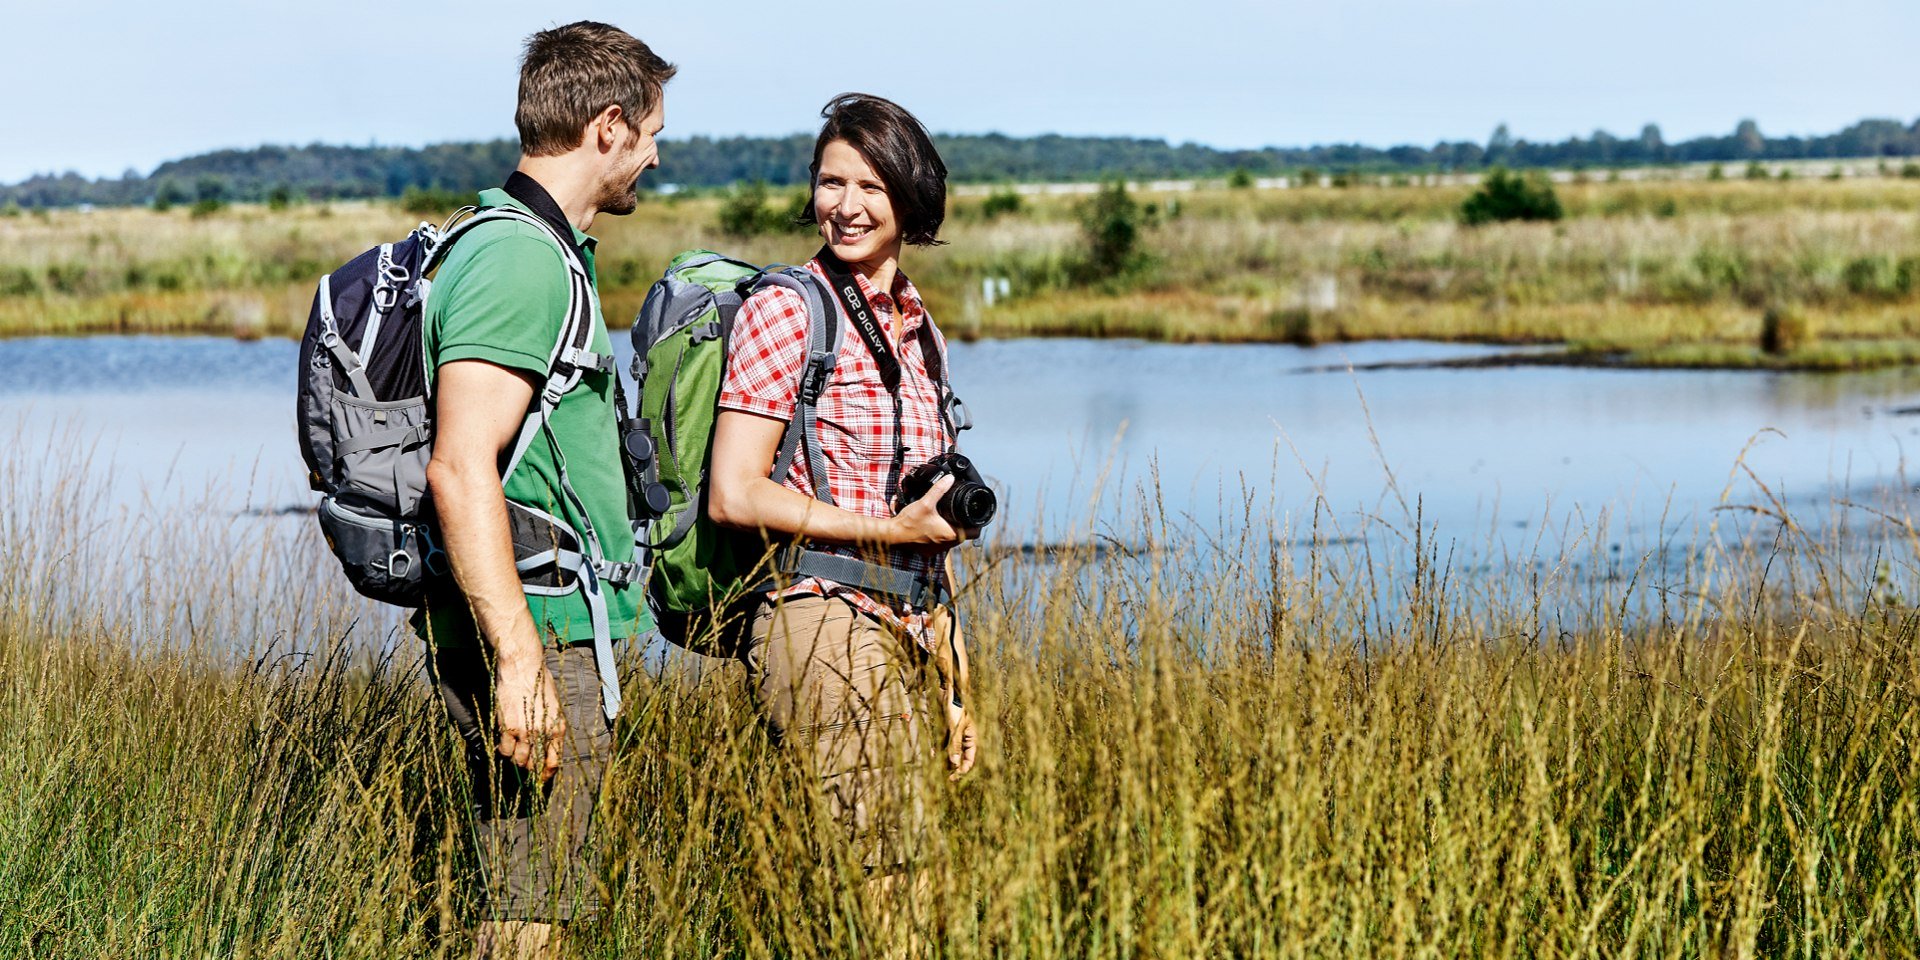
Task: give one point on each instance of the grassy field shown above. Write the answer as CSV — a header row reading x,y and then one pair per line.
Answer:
x,y
1668,273
1217,746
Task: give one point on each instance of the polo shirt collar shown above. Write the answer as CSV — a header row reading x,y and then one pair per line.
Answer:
x,y
527,194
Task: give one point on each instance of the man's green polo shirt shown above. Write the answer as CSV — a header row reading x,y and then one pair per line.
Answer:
x,y
501,296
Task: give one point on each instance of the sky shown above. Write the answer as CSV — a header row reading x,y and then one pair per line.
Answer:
x,y
102,86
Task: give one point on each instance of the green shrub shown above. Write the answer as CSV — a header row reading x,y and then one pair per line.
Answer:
x,y
1309,177
1875,275
1757,170
167,196
1716,172
427,201
1784,330
1111,224
18,282
1000,203
1505,195
1910,170
747,213
280,197
1240,179
209,196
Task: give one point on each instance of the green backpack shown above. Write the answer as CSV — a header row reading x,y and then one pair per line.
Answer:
x,y
703,575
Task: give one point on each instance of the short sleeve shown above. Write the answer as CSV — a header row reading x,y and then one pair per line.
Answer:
x,y
506,305
764,358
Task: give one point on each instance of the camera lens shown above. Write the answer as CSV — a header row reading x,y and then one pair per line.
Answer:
x,y
974,505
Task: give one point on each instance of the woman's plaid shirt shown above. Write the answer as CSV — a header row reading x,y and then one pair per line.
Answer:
x,y
764,363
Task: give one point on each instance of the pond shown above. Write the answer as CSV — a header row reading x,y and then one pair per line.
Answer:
x,y
1477,452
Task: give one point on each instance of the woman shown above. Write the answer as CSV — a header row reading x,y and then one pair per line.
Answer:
x,y
835,667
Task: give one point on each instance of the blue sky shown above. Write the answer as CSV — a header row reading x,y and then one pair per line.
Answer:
x,y
99,86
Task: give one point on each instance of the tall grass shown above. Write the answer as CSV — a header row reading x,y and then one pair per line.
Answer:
x,y
1636,266
1225,738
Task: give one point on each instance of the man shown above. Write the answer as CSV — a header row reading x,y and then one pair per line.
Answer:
x,y
515,662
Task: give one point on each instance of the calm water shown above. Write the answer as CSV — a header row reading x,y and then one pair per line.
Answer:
x,y
1480,451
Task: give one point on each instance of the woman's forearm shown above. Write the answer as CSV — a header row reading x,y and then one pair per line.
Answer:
x,y
757,503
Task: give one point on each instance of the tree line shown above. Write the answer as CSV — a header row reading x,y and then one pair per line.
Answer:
x,y
325,172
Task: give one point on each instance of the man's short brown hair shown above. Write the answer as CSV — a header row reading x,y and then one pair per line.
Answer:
x,y
569,74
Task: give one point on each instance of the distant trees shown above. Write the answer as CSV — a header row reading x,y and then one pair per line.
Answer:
x,y
1506,195
323,172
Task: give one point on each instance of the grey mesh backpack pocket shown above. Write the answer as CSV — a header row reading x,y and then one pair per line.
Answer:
x,y
380,451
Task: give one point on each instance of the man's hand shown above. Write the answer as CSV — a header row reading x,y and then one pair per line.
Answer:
x,y
526,706
479,408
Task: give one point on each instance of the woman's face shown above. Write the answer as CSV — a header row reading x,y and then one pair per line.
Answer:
x,y
851,204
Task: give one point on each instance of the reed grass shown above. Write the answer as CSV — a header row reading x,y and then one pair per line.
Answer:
x,y
1237,735
1641,266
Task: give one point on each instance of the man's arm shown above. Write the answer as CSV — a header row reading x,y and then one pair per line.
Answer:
x,y
479,408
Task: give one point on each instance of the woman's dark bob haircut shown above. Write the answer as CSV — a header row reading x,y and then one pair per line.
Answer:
x,y
900,150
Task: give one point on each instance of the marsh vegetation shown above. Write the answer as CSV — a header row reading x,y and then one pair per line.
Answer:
x,y
1651,272
1213,743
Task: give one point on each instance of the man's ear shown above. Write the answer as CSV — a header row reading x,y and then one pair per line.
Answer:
x,y
607,127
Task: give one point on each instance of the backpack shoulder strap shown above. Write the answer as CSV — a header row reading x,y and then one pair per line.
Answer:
x,y
569,361
823,347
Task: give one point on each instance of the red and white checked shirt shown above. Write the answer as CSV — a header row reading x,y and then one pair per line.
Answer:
x,y
765,360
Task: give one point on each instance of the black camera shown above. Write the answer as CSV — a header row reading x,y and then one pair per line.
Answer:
x,y
968,503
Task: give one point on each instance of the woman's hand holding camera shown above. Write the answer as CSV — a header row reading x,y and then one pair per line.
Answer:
x,y
919,523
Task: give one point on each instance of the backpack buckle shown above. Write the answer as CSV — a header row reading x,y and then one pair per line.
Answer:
x,y
816,379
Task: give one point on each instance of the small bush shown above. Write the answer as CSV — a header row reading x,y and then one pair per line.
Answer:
x,y
280,197
209,196
1309,177
167,196
747,214
1910,171
1716,172
10,210
1505,195
1111,223
1000,203
1240,179
1757,170
1784,330
426,201
1877,276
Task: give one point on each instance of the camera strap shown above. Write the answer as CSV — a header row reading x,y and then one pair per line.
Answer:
x,y
847,288
953,414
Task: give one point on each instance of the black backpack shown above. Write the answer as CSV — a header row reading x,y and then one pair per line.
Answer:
x,y
365,417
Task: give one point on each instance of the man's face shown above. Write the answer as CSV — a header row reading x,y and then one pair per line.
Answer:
x,y
638,151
